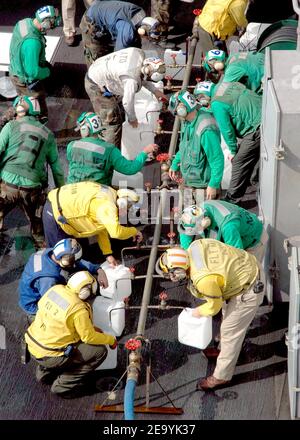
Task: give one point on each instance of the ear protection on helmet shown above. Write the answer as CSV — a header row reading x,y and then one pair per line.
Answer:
x,y
83,283
142,31
181,110
214,60
154,68
27,105
48,17
88,124
182,103
86,291
150,27
67,251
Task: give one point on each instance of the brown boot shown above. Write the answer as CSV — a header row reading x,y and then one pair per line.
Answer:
x,y
211,383
211,353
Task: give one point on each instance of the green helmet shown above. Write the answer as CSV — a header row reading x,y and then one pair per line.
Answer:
x,y
204,88
27,105
182,103
48,17
89,124
214,55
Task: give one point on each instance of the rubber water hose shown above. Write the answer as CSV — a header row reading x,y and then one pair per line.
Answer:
x,y
129,399
285,34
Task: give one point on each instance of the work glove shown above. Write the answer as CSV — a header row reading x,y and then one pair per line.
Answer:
x,y
114,345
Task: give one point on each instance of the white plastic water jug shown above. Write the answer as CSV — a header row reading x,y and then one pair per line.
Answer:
x,y
109,315
196,332
119,282
111,359
180,58
147,109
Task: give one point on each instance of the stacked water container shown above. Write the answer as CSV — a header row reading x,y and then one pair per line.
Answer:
x,y
109,307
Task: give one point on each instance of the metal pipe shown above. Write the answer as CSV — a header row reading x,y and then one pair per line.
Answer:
x,y
135,367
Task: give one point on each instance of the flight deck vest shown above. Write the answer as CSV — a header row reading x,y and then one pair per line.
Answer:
x,y
53,326
238,268
39,265
221,213
23,30
194,165
26,155
89,159
75,199
216,20
108,70
245,106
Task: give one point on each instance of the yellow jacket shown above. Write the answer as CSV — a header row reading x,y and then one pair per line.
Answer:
x,y
62,319
90,209
222,17
218,272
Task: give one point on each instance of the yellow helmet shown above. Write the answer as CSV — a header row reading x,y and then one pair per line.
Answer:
x,y
126,198
83,283
174,258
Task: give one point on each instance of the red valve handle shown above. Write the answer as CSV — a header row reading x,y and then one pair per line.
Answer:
x,y
162,157
163,295
133,344
197,11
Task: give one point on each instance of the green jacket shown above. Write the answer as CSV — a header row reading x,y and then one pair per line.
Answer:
x,y
200,157
245,67
237,111
229,223
27,52
25,147
94,159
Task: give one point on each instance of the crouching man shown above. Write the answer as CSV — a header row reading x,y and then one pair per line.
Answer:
x,y
227,278
62,338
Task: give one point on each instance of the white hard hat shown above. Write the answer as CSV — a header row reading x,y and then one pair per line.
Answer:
x,y
126,198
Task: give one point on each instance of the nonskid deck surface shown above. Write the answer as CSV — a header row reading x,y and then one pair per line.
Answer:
x,y
258,390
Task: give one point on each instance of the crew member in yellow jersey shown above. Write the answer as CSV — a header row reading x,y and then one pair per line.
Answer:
x,y
62,338
86,209
227,278
219,20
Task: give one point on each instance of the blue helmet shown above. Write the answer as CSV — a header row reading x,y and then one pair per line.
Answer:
x,y
67,251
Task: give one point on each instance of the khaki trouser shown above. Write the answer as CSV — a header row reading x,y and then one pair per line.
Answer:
x,y
260,249
94,47
72,370
31,200
238,314
206,41
110,111
68,11
38,92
